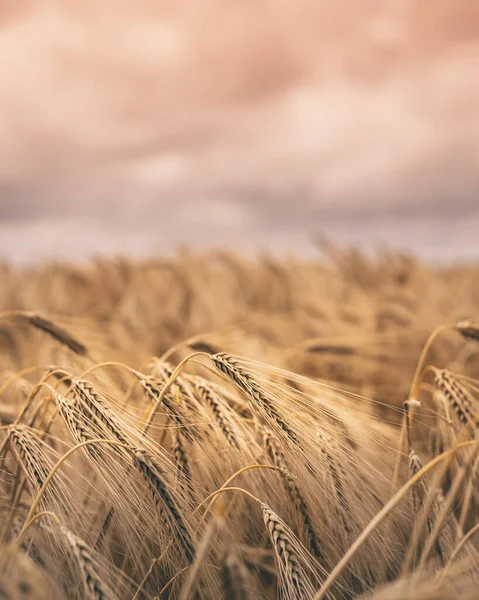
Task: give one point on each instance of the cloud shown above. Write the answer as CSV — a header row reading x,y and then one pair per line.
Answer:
x,y
122,112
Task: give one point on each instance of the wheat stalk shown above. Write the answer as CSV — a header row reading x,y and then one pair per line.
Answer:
x,y
468,329
156,480
294,493
141,459
179,453
209,396
247,384
296,585
458,398
93,586
60,334
31,458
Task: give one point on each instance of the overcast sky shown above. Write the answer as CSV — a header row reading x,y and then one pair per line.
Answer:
x,y
133,126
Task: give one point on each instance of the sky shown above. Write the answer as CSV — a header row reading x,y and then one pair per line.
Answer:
x,y
135,126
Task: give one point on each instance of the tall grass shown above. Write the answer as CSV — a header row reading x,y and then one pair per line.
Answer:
x,y
284,459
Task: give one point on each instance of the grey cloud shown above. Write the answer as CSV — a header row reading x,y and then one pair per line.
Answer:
x,y
259,120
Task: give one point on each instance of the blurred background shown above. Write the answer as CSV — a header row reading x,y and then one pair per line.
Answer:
x,y
133,126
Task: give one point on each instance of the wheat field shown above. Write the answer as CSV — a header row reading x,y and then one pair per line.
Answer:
x,y
213,426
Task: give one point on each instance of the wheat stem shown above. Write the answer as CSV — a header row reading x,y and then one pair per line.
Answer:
x,y
40,515
226,484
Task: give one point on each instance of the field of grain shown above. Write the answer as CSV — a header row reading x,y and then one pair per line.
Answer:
x,y
210,426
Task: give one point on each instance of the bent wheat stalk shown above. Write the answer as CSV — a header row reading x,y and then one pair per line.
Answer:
x,y
60,334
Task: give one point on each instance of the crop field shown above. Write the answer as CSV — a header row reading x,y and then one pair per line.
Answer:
x,y
210,426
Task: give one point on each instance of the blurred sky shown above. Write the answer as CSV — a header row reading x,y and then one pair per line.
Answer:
x,y
130,126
